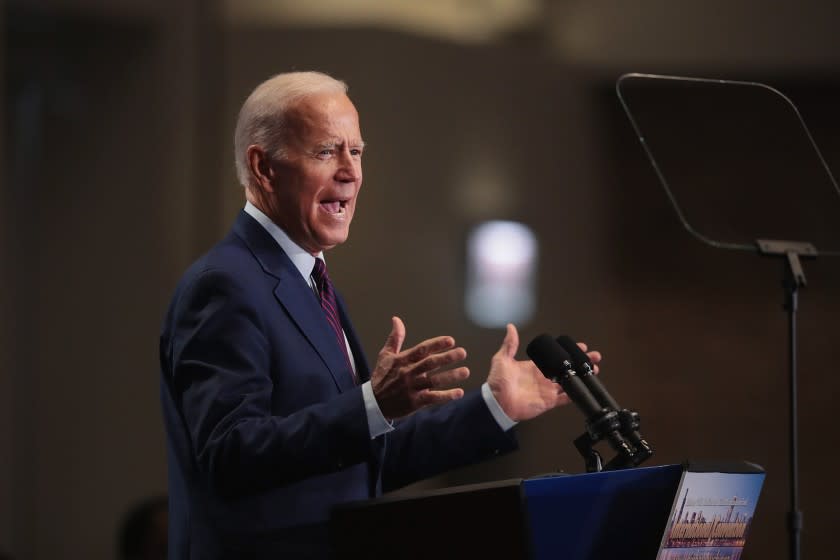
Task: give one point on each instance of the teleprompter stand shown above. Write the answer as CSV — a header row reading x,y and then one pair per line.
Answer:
x,y
793,279
737,163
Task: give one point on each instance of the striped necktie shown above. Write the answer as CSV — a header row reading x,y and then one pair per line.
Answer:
x,y
328,304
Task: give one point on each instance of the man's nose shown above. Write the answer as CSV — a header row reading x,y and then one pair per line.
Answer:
x,y
350,167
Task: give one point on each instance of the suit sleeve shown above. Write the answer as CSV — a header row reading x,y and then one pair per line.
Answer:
x,y
218,358
434,441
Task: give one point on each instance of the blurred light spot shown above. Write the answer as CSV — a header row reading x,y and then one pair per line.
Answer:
x,y
501,272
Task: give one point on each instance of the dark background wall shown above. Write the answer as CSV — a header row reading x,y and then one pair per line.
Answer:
x,y
118,173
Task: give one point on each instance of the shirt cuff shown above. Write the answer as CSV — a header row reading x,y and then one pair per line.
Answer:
x,y
377,424
505,423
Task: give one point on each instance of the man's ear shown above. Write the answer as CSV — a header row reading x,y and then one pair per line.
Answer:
x,y
260,166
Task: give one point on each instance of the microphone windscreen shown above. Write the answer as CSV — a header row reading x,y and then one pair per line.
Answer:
x,y
579,357
548,355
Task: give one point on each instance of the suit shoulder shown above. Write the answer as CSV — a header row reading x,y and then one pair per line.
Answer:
x,y
227,269
230,258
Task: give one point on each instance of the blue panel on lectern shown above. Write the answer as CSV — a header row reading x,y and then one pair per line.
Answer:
x,y
606,515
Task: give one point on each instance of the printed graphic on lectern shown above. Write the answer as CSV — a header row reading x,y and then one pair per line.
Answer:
x,y
711,517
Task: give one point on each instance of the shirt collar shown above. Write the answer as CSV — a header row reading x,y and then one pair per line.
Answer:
x,y
302,260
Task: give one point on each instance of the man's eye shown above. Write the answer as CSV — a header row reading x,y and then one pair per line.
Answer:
x,y
326,152
356,152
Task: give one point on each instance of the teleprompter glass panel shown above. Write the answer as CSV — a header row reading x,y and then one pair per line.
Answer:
x,y
736,160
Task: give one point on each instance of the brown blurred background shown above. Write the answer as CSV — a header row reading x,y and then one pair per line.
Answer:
x,y
117,173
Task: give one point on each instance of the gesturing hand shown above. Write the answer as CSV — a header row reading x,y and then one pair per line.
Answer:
x,y
521,389
407,380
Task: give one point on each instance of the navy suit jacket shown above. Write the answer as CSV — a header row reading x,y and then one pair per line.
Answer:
x,y
266,430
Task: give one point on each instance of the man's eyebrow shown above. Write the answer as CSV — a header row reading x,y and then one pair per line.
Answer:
x,y
333,142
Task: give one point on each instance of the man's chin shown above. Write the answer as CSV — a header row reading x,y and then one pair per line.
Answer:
x,y
332,239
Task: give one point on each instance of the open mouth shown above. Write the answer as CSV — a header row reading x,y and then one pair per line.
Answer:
x,y
336,207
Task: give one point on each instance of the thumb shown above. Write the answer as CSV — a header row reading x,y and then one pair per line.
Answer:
x,y
395,340
510,344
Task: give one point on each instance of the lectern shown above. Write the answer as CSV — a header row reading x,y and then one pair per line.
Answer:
x,y
670,512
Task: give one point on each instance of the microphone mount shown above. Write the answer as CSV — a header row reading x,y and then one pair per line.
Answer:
x,y
632,451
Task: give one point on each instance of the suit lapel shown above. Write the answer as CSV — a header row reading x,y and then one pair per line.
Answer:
x,y
296,298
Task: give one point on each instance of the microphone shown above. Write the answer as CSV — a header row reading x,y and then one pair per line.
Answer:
x,y
582,364
629,420
555,363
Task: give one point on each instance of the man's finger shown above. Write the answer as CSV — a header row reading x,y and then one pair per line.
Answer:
x,y
595,358
445,378
426,348
510,344
582,346
395,340
437,361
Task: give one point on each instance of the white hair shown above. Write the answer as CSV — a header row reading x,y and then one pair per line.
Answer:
x,y
261,119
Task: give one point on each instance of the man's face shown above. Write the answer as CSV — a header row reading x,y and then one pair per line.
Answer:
x,y
317,180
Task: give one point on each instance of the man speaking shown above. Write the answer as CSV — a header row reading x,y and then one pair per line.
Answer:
x,y
272,412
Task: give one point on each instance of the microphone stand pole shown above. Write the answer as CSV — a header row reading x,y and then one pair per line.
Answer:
x,y
793,280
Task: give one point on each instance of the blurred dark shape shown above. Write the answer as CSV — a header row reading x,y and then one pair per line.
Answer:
x,y
143,533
